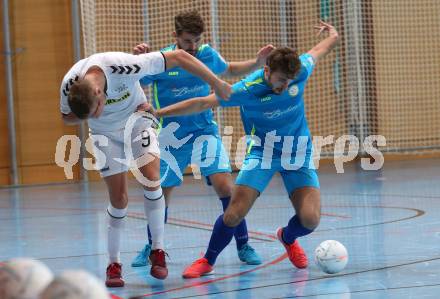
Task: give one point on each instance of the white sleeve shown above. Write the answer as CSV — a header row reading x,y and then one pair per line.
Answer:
x,y
64,106
137,66
64,92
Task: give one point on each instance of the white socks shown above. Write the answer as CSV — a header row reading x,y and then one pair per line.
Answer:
x,y
154,205
116,221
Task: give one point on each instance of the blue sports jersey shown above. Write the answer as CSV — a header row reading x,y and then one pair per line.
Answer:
x,y
263,111
175,85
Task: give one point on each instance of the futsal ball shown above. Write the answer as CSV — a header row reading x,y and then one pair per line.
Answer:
x,y
75,284
331,256
23,278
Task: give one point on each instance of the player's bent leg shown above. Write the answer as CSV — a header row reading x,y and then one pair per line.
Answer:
x,y
169,179
141,260
222,183
306,202
116,212
242,200
154,205
219,174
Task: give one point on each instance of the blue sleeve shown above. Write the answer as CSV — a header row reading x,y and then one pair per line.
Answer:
x,y
219,65
238,97
308,63
147,80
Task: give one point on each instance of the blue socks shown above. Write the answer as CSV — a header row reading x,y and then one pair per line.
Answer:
x,y
220,238
294,230
150,241
241,233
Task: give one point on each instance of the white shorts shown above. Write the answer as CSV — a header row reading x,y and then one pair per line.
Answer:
x,y
114,156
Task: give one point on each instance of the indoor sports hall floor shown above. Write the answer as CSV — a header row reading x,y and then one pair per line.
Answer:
x,y
388,220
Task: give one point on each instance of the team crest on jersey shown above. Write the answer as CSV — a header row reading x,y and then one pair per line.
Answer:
x,y
293,90
121,88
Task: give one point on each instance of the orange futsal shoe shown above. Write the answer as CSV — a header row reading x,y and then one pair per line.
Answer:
x,y
199,268
296,254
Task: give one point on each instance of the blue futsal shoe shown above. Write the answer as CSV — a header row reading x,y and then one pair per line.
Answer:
x,y
141,260
248,255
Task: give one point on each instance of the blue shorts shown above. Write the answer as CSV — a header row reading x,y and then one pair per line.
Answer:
x,y
205,151
255,176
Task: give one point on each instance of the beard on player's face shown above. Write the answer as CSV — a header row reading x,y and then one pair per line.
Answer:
x,y
277,81
188,42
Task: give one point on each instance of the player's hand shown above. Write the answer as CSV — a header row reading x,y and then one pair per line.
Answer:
x,y
326,27
150,114
223,89
147,107
263,53
141,49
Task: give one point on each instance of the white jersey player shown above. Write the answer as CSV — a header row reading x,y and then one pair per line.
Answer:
x,y
104,88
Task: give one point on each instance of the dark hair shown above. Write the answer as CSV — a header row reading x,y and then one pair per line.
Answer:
x,y
190,22
81,99
285,60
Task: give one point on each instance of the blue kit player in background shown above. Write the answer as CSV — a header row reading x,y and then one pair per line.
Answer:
x,y
181,142
272,109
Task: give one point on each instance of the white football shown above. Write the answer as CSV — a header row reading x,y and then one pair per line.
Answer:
x,y
331,256
75,284
23,278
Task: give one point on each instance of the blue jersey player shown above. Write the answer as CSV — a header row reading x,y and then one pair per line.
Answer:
x,y
184,139
272,111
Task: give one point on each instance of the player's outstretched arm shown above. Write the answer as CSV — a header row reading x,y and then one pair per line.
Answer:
x,y
326,45
141,49
179,58
239,68
190,106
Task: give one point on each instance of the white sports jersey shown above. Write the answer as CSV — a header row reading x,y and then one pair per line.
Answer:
x,y
124,92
